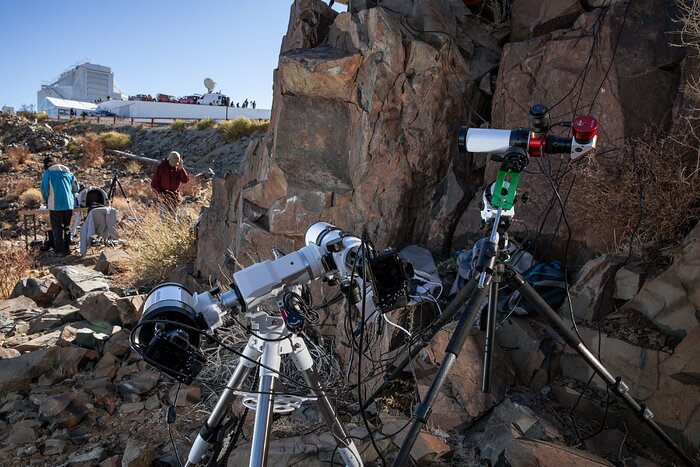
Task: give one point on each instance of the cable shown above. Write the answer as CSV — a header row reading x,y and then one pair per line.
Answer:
x,y
396,325
169,420
359,357
413,31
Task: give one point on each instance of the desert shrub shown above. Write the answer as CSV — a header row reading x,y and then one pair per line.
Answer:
x,y
31,198
656,202
115,140
690,38
15,263
92,147
190,188
179,125
159,244
73,148
20,186
241,126
18,155
133,167
205,123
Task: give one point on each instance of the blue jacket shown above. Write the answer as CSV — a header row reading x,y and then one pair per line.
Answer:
x,y
57,188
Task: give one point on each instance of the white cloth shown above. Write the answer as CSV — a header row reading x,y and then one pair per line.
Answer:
x,y
99,221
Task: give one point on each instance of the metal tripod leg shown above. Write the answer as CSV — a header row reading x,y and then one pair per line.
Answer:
x,y
616,384
271,358
346,447
208,432
490,336
422,411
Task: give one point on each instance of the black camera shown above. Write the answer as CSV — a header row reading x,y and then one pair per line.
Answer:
x,y
390,275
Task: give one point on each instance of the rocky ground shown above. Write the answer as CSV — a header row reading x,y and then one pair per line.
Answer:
x,y
72,392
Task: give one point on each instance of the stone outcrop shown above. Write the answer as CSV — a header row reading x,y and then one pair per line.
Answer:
x,y
79,280
672,300
376,145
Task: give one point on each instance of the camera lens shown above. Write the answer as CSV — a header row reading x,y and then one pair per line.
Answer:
x,y
462,139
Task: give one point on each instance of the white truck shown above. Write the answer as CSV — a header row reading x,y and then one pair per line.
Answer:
x,y
214,98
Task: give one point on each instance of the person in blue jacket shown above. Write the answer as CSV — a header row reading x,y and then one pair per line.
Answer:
x,y
58,188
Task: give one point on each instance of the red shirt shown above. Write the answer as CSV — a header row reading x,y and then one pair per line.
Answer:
x,y
168,178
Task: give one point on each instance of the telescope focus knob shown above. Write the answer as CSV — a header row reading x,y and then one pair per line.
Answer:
x,y
584,128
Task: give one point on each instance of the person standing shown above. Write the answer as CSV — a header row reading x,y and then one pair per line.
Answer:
x,y
166,180
58,188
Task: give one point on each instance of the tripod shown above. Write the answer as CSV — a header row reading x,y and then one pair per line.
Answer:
x,y
493,269
272,339
111,193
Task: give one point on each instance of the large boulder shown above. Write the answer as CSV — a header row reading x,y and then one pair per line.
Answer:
x,y
16,373
80,280
100,308
672,300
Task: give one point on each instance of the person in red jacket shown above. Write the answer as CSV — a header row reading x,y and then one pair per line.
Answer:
x,y
167,178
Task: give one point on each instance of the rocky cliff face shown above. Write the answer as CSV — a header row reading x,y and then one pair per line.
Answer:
x,y
367,107
363,132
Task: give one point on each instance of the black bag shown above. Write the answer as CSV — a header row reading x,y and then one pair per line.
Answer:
x,y
548,281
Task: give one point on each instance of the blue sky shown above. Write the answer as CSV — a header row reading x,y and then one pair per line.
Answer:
x,y
152,46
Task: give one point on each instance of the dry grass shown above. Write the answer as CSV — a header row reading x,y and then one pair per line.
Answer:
x,y
191,188
115,140
238,128
136,190
19,187
159,243
92,148
205,123
667,170
30,198
15,263
690,39
179,125
18,155
133,167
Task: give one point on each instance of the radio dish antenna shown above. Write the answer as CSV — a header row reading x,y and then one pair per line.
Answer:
x,y
209,84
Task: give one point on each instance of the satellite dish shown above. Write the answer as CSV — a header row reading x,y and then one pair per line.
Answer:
x,y
209,84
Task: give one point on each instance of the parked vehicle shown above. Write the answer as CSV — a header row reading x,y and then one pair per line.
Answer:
x,y
193,99
165,98
214,98
141,97
103,113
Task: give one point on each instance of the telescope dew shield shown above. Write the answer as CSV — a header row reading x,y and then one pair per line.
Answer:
x,y
483,140
167,335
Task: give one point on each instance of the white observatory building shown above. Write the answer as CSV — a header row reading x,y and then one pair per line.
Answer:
x,y
85,83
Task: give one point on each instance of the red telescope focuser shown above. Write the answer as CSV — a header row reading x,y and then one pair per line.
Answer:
x,y
584,129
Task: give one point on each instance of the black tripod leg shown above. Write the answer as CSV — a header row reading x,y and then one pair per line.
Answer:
x,y
121,189
490,340
422,411
618,386
426,336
